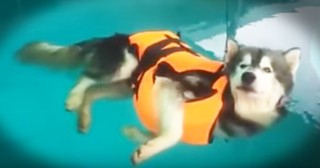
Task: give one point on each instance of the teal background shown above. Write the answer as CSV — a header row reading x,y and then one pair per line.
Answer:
x,y
37,132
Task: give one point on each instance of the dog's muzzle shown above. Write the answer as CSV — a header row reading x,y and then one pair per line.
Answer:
x,y
248,78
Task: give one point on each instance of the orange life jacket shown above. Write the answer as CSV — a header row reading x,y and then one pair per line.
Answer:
x,y
154,47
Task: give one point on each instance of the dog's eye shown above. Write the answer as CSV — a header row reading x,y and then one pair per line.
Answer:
x,y
268,70
243,66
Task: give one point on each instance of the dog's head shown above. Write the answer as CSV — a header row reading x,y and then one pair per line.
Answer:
x,y
259,75
260,72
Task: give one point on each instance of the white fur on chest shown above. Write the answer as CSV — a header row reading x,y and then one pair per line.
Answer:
x,y
261,112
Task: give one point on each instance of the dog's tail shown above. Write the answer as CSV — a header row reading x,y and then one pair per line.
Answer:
x,y
51,55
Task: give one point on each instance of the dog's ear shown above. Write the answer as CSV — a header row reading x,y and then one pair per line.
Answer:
x,y
232,49
293,57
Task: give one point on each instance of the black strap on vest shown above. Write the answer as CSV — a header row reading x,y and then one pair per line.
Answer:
x,y
152,55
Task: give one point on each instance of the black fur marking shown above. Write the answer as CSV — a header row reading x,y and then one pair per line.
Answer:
x,y
107,54
94,74
134,49
132,160
138,152
256,57
179,34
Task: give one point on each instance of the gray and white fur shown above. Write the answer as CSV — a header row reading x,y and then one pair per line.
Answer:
x,y
260,79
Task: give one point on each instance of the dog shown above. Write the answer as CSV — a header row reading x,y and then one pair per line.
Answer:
x,y
260,80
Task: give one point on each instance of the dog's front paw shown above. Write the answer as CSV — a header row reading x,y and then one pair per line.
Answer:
x,y
145,151
73,102
84,121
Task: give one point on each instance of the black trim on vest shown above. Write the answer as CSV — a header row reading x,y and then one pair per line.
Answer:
x,y
152,55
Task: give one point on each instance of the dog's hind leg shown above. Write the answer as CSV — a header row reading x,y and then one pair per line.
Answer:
x,y
76,95
110,63
169,104
94,74
114,90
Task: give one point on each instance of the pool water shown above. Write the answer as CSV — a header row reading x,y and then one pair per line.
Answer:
x,y
36,130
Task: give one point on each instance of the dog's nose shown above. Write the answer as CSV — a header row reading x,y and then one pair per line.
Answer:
x,y
248,78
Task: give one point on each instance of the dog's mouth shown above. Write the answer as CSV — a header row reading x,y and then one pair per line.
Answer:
x,y
246,88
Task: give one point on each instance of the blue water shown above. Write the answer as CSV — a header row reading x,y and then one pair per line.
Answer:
x,y
36,130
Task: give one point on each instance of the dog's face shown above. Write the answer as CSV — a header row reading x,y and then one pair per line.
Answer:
x,y
259,73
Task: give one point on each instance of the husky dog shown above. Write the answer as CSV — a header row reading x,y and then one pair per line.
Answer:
x,y
260,81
